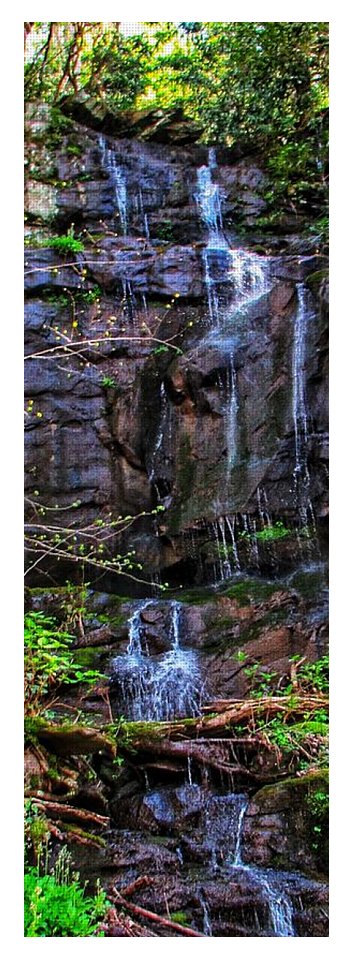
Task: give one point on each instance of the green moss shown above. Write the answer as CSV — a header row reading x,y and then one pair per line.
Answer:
x,y
249,591
308,583
180,917
282,795
85,834
186,468
90,657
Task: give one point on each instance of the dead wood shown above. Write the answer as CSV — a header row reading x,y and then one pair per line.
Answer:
x,y
154,917
96,638
62,811
136,885
71,740
234,712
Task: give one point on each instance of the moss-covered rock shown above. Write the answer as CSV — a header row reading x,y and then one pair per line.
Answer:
x,y
286,825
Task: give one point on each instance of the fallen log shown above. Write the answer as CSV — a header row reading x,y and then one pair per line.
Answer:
x,y
222,723
69,739
62,811
154,917
136,885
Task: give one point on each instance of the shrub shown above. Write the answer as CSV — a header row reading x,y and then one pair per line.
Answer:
x,y
48,661
56,905
66,244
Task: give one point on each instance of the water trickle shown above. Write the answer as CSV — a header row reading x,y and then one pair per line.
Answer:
x,y
117,177
144,216
298,375
207,926
156,687
231,528
160,432
268,881
308,543
237,855
231,415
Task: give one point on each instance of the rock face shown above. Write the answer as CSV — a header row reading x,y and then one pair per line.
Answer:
x,y
218,417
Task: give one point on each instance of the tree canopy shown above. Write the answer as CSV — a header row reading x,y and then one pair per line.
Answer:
x,y
263,85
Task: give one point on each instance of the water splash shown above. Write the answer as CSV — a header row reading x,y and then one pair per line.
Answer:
x,y
156,687
117,178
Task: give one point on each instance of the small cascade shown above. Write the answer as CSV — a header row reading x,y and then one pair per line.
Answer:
x,y
269,881
223,827
279,903
128,301
234,279
231,527
117,177
237,855
209,203
249,277
156,687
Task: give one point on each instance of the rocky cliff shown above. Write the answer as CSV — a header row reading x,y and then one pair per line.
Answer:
x,y
165,370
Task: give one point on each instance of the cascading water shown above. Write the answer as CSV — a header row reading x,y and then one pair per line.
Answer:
x,y
156,687
299,391
234,278
117,177
303,316
224,820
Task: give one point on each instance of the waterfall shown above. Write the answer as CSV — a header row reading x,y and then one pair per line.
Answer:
x,y
117,178
234,278
156,687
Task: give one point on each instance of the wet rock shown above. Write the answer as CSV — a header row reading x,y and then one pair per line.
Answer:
x,y
278,828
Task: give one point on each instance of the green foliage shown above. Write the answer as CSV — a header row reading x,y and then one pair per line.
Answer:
x,y
263,85
56,905
276,531
263,681
66,244
318,807
164,231
108,382
180,917
48,661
